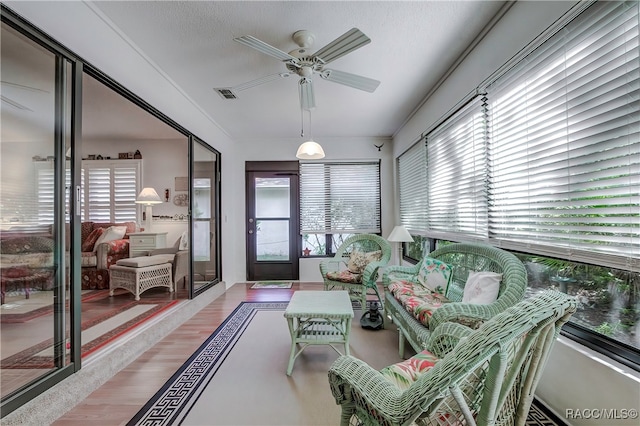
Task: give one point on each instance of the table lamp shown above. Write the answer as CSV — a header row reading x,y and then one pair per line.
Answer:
x,y
400,235
148,197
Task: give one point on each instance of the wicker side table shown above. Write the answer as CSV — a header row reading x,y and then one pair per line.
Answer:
x,y
318,318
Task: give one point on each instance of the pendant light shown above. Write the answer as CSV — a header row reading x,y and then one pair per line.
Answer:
x,y
309,150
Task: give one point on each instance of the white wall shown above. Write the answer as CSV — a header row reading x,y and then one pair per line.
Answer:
x,y
335,149
91,35
575,378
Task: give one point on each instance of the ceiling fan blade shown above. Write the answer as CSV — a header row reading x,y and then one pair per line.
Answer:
x,y
14,104
265,48
348,42
351,80
261,80
307,97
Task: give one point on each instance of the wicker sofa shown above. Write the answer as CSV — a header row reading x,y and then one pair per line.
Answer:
x,y
463,258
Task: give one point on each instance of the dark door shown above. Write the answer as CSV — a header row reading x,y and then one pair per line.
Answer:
x,y
272,224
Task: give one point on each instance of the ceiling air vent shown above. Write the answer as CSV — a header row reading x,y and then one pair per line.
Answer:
x,y
226,93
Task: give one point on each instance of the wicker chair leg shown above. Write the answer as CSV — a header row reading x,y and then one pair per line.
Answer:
x,y
401,341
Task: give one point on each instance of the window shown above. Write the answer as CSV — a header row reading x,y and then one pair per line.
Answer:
x,y
456,173
565,145
338,199
109,190
45,192
412,187
549,161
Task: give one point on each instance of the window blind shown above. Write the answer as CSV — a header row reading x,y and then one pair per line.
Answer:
x,y
457,173
45,192
565,142
337,197
412,188
110,190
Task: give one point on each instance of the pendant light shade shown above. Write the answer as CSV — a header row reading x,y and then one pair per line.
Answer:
x,y
310,150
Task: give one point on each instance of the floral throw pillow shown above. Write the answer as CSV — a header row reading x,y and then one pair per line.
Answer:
x,y
88,245
358,260
435,275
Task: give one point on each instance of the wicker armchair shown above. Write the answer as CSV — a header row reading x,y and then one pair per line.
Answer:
x,y
464,258
337,275
489,377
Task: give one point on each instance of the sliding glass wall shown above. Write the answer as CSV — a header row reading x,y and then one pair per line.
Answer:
x,y
35,320
76,151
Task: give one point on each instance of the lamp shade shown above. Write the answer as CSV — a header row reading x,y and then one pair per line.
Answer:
x,y
400,235
310,150
148,196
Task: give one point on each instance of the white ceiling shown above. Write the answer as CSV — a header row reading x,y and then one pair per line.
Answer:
x,y
412,45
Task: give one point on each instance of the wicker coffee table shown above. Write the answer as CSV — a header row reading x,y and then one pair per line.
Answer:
x,y
318,318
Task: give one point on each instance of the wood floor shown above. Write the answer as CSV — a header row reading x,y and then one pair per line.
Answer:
x,y
118,400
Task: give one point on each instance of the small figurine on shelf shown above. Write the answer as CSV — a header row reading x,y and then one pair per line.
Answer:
x,y
137,155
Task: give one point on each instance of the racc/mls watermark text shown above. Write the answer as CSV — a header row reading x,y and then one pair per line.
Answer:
x,y
601,413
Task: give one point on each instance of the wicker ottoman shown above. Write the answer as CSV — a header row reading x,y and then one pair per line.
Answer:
x,y
139,274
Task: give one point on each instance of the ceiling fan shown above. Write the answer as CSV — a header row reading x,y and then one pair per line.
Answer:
x,y
306,64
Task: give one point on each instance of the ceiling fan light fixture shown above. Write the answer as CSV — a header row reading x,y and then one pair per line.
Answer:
x,y
310,150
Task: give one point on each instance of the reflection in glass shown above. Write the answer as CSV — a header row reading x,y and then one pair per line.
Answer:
x,y
272,240
27,240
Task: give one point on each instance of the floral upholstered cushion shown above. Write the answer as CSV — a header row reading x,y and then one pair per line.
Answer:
x,y
435,275
404,373
416,299
359,260
345,276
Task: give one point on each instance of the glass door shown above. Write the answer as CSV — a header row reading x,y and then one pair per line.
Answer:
x,y
272,225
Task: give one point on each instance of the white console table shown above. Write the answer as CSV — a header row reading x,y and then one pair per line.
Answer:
x,y
142,242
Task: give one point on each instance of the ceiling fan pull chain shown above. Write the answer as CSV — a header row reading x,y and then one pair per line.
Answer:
x,y
302,121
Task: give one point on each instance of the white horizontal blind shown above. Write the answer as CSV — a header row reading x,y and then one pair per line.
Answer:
x,y
412,187
110,190
457,173
339,197
565,142
45,192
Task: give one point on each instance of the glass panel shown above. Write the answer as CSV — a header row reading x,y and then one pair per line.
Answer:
x,y
272,240
272,197
201,246
204,216
27,274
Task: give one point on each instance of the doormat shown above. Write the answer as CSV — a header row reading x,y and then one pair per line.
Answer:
x,y
272,284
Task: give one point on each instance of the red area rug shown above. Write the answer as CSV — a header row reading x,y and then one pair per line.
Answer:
x,y
97,307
